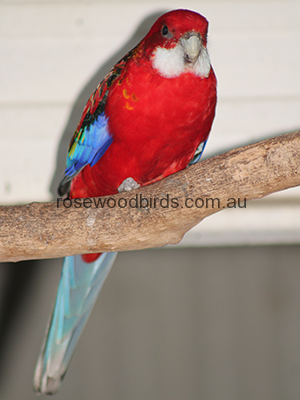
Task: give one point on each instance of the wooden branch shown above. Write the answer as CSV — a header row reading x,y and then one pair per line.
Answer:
x,y
49,230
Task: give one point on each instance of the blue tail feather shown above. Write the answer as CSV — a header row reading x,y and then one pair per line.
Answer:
x,y
78,290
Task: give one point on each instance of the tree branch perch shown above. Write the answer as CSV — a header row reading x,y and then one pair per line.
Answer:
x,y
43,230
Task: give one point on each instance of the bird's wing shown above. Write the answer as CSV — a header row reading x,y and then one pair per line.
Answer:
x,y
92,136
91,139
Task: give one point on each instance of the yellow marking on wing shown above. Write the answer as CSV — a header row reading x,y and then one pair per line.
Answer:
x,y
72,150
127,81
128,106
134,97
125,94
82,137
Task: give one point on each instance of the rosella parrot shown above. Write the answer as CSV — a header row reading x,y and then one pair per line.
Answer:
x,y
149,117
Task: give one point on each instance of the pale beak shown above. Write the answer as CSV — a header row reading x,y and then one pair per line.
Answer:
x,y
191,47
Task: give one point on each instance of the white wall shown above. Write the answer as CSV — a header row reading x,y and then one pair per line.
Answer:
x,y
53,53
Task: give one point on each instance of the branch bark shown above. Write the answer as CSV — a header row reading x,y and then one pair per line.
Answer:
x,y
49,230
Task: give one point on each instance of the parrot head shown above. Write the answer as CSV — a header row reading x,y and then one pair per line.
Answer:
x,y
176,44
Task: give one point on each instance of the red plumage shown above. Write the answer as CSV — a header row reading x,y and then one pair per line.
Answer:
x,y
156,122
154,139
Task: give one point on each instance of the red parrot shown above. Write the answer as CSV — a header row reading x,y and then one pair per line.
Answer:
x,y
149,117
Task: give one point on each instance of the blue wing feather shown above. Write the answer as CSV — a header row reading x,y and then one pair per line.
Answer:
x,y
198,153
78,290
88,146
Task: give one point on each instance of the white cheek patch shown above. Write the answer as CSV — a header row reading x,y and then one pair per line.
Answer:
x,y
171,63
202,65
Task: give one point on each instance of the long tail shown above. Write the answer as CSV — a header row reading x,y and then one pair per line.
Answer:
x,y
78,290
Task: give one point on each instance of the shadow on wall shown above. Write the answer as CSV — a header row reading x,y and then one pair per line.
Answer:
x,y
84,95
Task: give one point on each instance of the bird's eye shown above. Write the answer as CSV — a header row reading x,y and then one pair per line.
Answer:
x,y
164,30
